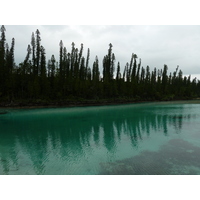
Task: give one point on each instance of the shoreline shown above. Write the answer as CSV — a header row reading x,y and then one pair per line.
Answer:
x,y
65,104
88,103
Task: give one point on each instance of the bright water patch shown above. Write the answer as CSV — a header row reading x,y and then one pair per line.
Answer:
x,y
146,138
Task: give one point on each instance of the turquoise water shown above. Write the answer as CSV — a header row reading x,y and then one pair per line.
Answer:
x,y
146,138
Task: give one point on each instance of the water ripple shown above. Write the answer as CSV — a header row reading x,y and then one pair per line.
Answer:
x,y
87,140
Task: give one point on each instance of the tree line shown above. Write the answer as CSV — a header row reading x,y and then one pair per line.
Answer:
x,y
72,78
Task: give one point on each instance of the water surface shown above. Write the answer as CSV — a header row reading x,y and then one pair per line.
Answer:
x,y
146,138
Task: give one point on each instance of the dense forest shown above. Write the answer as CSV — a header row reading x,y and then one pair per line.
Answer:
x,y
72,79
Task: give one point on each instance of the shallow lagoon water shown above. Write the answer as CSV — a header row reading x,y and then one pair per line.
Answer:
x,y
146,138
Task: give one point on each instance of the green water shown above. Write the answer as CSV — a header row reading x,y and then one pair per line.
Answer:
x,y
147,138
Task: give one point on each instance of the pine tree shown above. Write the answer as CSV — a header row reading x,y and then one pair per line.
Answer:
x,y
80,55
43,77
112,67
164,80
38,51
43,62
2,60
51,76
61,59
118,76
87,60
76,66
11,56
108,65
72,60
138,72
95,70
2,47
7,60
134,67
27,55
52,66
118,80
130,67
33,54
65,63
8,70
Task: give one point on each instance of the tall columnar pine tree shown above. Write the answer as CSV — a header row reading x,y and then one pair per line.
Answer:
x,y
95,71
10,60
43,73
87,62
133,75
76,65
52,67
38,51
72,59
65,63
33,54
82,70
138,72
43,62
108,72
118,75
164,79
27,55
61,59
108,65
2,47
2,60
80,55
129,72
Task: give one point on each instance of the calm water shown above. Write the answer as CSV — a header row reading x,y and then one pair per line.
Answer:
x,y
148,138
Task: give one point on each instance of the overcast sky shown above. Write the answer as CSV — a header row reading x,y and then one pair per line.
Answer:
x,y
155,45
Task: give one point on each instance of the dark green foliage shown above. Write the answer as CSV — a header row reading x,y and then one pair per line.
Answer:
x,y
2,61
33,53
72,79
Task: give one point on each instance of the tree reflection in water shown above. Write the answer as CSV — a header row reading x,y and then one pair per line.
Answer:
x,y
72,134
